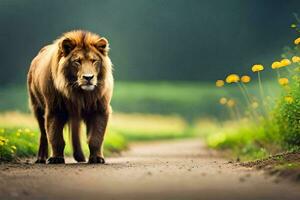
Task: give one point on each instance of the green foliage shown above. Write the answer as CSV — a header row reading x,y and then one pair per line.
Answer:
x,y
20,142
19,134
247,140
287,116
16,142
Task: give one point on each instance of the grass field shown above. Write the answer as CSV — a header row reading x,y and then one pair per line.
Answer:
x,y
167,110
19,133
188,99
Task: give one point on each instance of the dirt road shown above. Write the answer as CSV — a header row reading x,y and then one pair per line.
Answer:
x,y
162,170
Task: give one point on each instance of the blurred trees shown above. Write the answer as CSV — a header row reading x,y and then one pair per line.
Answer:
x,y
151,40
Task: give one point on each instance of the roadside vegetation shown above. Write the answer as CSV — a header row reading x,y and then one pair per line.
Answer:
x,y
19,134
265,123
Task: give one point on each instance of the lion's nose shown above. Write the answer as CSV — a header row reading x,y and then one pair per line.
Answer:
x,y
88,77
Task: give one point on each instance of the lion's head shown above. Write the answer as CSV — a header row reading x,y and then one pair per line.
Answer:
x,y
83,62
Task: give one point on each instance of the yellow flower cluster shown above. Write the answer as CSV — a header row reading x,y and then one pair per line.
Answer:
x,y
283,81
219,83
257,68
252,103
283,63
232,78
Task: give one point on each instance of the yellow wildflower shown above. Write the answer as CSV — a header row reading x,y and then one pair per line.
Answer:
x,y
257,68
254,105
297,41
295,59
276,65
13,147
19,130
3,140
18,134
223,101
230,102
283,81
285,62
219,83
232,78
27,130
289,99
245,79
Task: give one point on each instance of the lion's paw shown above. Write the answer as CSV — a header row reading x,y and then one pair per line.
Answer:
x,y
56,160
96,160
79,157
40,161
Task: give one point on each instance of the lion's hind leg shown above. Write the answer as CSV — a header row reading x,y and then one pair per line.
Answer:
x,y
43,146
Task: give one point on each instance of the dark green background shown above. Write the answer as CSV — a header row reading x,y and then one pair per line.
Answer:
x,y
191,40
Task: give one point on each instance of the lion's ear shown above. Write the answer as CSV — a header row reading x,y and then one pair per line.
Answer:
x,y
102,45
66,46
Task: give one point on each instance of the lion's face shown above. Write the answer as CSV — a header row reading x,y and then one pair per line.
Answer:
x,y
82,62
84,69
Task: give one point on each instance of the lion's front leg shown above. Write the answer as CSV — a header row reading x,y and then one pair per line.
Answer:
x,y
54,127
96,126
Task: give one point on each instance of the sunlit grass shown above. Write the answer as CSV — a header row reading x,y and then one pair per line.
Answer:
x,y
19,134
147,127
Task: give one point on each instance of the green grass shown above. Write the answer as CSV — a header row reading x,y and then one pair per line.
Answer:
x,y
190,100
23,142
19,135
246,140
137,127
174,107
187,99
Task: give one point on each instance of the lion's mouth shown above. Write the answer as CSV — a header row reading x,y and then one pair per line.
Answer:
x,y
88,87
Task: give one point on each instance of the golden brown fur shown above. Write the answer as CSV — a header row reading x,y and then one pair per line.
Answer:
x,y
68,81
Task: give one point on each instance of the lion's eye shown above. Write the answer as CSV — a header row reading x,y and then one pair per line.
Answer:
x,y
77,62
94,61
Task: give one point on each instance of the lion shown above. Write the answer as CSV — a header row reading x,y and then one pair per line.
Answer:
x,y
70,81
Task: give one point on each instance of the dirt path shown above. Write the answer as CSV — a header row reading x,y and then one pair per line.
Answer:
x,y
163,170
